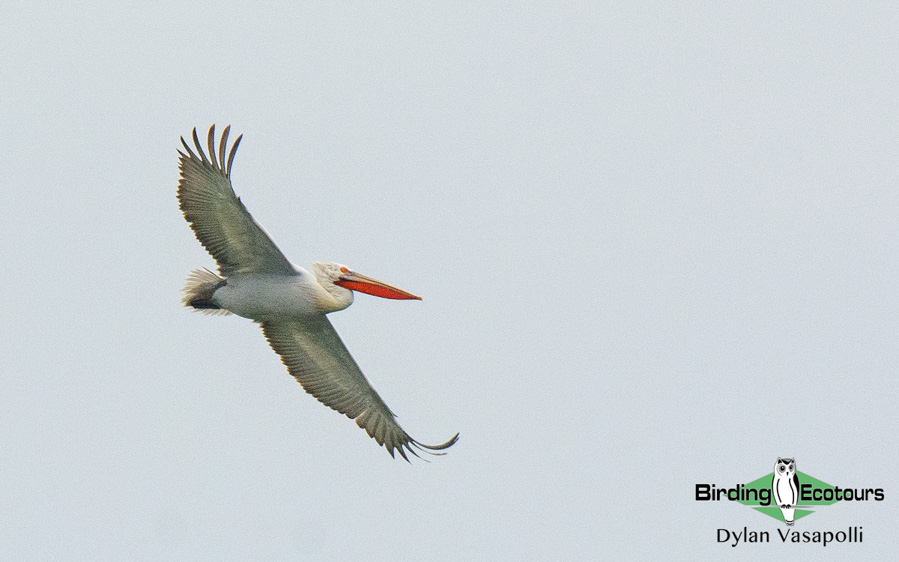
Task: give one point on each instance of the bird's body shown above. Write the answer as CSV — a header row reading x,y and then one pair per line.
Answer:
x,y
257,282
262,297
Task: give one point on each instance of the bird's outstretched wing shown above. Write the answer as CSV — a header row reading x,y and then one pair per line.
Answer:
x,y
218,217
316,356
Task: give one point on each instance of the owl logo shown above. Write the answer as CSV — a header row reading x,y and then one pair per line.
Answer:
x,y
785,486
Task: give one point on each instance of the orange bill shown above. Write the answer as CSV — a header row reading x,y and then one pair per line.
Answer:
x,y
358,282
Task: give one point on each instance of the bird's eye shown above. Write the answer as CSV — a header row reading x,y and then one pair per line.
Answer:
x,y
343,269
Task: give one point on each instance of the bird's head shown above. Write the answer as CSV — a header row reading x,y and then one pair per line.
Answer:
x,y
333,275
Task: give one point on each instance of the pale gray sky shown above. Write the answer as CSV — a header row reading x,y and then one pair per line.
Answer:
x,y
657,247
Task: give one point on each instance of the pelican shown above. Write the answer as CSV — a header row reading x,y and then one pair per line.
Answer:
x,y
256,281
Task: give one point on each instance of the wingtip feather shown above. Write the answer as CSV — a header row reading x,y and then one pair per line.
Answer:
x,y
231,155
222,145
210,143
440,447
199,146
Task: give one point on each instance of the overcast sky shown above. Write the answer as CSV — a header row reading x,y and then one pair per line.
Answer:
x,y
657,246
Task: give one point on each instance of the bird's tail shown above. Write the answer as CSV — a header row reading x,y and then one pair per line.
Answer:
x,y
198,290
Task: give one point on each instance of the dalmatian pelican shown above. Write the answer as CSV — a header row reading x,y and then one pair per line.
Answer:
x,y
256,281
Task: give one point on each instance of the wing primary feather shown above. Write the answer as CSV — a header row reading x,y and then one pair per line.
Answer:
x,y
222,146
429,448
187,148
199,147
210,142
374,430
406,457
231,156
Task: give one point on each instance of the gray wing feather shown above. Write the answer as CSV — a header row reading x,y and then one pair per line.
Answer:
x,y
315,355
219,219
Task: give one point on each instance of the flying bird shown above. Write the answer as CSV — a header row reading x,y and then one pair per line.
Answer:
x,y
256,281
